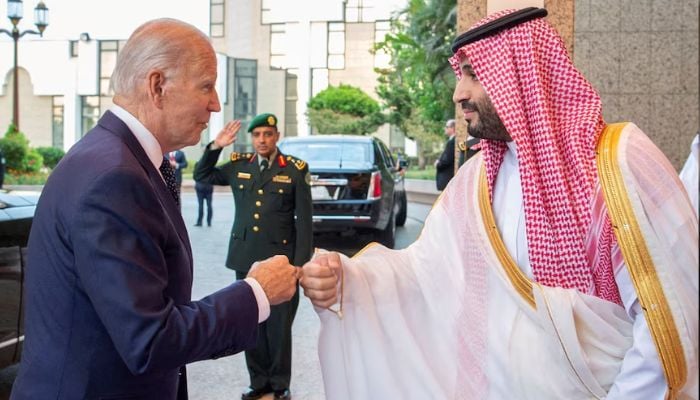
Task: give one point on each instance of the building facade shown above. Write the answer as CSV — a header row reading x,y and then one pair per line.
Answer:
x,y
273,55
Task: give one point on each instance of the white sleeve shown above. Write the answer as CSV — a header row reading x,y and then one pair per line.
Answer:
x,y
260,298
641,375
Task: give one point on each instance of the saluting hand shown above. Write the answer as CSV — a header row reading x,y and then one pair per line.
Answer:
x,y
320,279
228,134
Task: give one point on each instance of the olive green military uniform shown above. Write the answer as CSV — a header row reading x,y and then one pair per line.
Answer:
x,y
266,204
273,216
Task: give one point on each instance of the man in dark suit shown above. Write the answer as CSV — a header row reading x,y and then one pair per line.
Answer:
x,y
178,162
273,216
109,270
445,165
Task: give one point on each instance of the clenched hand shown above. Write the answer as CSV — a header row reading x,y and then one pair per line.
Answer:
x,y
277,277
320,279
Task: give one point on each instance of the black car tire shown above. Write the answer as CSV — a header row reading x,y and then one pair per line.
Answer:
x,y
403,210
387,236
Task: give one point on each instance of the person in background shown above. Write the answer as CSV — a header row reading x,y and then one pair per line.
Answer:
x,y
689,174
205,192
178,162
109,313
560,263
2,168
445,165
272,194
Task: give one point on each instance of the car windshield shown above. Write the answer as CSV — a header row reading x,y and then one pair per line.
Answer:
x,y
327,151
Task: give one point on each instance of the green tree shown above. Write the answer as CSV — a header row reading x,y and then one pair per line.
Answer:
x,y
417,88
344,109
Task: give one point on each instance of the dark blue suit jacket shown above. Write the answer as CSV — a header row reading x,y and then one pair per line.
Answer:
x,y
109,278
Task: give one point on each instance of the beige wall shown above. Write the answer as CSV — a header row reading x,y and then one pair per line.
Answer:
x,y
359,66
34,111
641,56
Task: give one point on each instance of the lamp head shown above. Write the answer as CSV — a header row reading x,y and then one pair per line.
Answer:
x,y
41,17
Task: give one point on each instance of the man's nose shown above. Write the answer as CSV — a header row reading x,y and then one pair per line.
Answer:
x,y
461,92
214,104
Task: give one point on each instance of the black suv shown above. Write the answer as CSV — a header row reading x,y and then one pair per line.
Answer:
x,y
356,184
16,215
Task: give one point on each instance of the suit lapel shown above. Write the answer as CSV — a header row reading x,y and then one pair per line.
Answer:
x,y
113,124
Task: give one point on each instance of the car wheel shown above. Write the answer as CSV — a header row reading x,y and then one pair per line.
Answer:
x,y
403,210
387,235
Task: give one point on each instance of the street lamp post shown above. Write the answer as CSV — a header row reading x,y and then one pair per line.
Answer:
x,y
15,10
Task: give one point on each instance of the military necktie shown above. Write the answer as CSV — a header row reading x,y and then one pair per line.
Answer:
x,y
263,165
169,177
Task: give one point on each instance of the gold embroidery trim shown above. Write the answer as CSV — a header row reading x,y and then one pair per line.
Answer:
x,y
519,281
639,262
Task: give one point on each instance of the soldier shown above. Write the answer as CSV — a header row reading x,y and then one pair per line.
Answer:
x,y
269,190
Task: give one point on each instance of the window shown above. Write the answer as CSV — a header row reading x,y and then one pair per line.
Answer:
x,y
336,45
89,112
216,18
266,11
290,104
73,48
245,95
108,60
278,44
57,121
359,11
382,60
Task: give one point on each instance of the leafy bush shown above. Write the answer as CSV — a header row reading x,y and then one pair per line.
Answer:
x,y
415,173
15,147
32,162
26,178
344,109
51,155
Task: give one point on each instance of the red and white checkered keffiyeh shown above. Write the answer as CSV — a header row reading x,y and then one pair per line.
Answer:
x,y
554,116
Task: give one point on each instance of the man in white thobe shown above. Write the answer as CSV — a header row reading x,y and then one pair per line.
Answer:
x,y
560,263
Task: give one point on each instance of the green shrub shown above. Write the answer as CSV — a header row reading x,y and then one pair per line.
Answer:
x,y
26,178
33,162
15,147
414,173
51,155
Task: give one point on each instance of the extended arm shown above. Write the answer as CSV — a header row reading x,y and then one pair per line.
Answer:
x,y
303,223
128,266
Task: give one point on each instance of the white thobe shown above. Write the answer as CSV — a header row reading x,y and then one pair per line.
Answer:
x,y
641,375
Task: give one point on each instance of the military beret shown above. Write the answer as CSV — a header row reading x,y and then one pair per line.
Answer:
x,y
490,28
265,119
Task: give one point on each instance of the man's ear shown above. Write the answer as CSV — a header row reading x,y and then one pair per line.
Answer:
x,y
156,87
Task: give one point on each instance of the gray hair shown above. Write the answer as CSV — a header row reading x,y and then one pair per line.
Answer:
x,y
163,44
450,123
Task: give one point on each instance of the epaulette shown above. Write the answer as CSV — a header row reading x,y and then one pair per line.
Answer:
x,y
462,146
236,156
300,164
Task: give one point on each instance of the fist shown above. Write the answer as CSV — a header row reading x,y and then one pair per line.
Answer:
x,y
320,279
277,277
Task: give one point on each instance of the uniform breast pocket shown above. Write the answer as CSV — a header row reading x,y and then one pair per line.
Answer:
x,y
241,185
281,196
